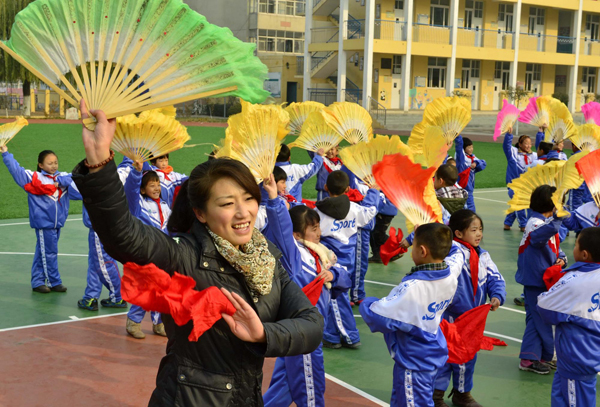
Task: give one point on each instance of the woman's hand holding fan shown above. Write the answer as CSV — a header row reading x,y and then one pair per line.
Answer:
x,y
97,142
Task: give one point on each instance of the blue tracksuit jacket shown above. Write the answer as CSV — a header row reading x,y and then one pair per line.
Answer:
x,y
169,183
298,174
463,162
585,216
518,162
144,208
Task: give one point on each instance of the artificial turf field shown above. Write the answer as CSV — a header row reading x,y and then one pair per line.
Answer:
x,y
81,361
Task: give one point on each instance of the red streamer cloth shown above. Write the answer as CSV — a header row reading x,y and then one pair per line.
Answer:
x,y
391,247
154,290
309,203
465,336
354,195
313,290
463,178
552,275
473,264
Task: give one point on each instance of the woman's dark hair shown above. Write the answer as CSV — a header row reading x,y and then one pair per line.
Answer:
x,y
467,142
149,176
195,192
541,199
462,219
521,139
153,161
42,156
302,218
284,154
279,174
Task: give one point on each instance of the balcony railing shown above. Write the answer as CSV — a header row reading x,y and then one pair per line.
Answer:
x,y
476,37
565,45
390,30
378,111
590,47
325,96
325,34
353,95
432,34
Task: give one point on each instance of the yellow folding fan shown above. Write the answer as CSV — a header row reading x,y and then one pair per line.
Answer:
x,y
559,129
10,130
435,148
534,177
254,138
587,137
299,112
127,56
151,135
316,134
568,179
361,157
351,121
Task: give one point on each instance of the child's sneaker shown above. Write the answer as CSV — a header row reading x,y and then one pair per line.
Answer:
x,y
463,399
159,329
90,305
534,366
107,302
134,329
520,301
331,345
551,364
353,346
438,398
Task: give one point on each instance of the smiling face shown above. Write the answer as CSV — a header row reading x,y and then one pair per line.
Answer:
x,y
230,212
525,145
151,190
332,153
50,164
162,163
469,149
473,234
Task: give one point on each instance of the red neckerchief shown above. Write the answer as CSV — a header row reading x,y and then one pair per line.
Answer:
x,y
526,158
543,158
317,259
555,247
597,219
160,212
166,172
354,195
335,161
463,178
289,198
473,264
36,187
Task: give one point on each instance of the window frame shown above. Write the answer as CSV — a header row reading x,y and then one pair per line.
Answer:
x,y
440,65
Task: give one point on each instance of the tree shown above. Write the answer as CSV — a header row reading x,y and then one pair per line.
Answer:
x,y
10,70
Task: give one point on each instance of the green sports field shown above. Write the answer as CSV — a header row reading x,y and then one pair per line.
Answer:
x,y
65,141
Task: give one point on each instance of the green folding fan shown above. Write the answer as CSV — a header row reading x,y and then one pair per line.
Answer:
x,y
127,56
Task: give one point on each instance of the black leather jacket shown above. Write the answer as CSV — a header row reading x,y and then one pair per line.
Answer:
x,y
219,369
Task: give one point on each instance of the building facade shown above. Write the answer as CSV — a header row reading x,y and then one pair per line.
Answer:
x,y
401,54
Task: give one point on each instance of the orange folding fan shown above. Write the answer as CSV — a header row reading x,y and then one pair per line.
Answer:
x,y
589,169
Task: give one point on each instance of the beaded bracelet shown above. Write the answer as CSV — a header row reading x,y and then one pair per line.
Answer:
x,y
103,163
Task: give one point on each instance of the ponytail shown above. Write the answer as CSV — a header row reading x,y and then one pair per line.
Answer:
x,y
182,215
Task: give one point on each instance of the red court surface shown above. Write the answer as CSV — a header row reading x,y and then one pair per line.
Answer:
x,y
92,362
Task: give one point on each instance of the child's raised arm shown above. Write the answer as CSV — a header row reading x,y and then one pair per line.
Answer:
x,y
19,174
368,208
132,191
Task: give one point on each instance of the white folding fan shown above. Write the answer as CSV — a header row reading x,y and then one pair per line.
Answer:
x,y
299,112
316,134
350,120
127,56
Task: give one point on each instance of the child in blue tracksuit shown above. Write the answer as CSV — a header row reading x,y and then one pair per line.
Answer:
x,y
409,318
520,158
585,216
170,181
340,220
297,174
301,379
48,197
145,203
467,165
331,162
467,228
573,306
539,249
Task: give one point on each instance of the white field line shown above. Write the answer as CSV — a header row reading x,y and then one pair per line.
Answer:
x,y
491,200
490,191
32,254
356,390
61,322
510,338
27,223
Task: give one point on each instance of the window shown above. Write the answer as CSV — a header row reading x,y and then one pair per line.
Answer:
x,y
439,12
436,73
502,72
386,63
589,77
475,68
592,26
505,15
283,7
479,9
399,5
397,65
533,73
537,17
289,42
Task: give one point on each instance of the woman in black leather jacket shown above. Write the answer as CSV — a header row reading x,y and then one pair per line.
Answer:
x,y
217,246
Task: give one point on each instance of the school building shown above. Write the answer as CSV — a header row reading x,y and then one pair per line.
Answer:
x,y
401,54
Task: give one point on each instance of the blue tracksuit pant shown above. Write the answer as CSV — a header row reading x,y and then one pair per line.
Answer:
x,y
341,322
357,290
412,388
102,270
137,313
573,393
45,261
298,379
471,201
522,216
538,340
462,376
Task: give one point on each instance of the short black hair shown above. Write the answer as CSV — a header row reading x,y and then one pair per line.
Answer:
x,y
279,174
149,176
450,158
462,219
545,147
284,154
436,237
467,142
153,161
541,199
589,240
303,217
337,182
448,173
